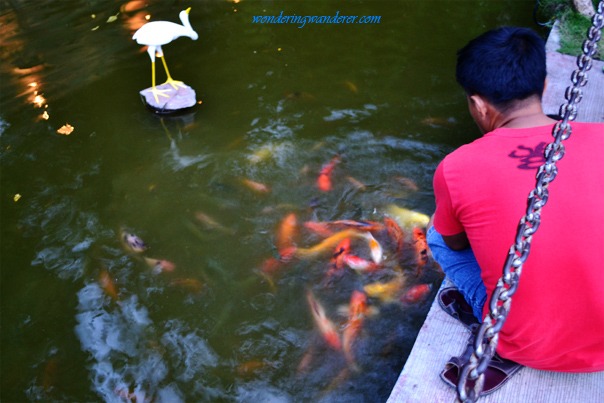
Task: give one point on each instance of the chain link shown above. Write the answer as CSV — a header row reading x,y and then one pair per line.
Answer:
x,y
487,336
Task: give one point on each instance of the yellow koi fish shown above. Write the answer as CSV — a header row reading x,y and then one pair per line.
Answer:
x,y
407,218
385,292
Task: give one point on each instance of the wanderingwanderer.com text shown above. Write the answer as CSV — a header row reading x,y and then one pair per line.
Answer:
x,y
302,20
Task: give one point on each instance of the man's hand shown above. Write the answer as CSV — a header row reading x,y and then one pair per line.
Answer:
x,y
457,241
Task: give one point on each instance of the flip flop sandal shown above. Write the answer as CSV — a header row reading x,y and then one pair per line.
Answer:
x,y
496,375
453,303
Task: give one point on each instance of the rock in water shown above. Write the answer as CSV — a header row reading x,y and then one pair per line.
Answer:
x,y
177,99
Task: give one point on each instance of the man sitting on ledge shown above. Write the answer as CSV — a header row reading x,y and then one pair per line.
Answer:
x,y
556,321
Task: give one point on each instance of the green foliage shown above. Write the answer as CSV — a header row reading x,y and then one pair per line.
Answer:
x,y
573,26
573,30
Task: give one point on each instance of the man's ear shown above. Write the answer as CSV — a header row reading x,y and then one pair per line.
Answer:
x,y
479,104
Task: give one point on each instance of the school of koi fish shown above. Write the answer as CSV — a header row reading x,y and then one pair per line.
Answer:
x,y
360,269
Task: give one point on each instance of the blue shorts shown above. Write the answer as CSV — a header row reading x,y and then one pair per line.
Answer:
x,y
462,269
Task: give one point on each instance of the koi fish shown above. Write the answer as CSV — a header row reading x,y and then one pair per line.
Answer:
x,y
437,122
359,264
191,284
251,367
360,225
385,292
271,265
286,231
377,253
49,378
299,96
324,179
409,183
356,183
395,233
351,86
306,360
255,186
319,228
421,248
326,245
107,284
211,224
337,260
159,265
326,327
416,293
357,312
132,243
407,218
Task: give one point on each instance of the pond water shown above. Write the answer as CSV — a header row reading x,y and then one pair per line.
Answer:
x,y
87,318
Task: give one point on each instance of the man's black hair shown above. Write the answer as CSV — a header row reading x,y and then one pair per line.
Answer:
x,y
503,65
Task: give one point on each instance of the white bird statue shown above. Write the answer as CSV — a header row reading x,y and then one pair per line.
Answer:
x,y
157,33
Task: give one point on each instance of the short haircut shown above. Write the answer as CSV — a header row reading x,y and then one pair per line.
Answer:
x,y
503,65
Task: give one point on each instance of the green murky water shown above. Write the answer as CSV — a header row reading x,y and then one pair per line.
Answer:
x,y
279,102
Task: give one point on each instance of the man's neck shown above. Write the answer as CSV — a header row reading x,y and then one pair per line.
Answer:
x,y
529,114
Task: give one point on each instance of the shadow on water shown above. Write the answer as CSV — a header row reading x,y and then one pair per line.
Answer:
x,y
206,311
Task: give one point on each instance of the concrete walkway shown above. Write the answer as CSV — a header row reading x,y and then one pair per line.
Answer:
x,y
559,70
442,337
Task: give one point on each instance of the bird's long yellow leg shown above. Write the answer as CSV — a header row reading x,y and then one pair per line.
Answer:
x,y
154,89
174,83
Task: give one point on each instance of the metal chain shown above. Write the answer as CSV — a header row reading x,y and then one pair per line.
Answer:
x,y
487,336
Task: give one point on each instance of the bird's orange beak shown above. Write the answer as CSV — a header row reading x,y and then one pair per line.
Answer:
x,y
188,9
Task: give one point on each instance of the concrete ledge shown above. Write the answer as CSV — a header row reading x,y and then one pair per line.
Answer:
x,y
442,337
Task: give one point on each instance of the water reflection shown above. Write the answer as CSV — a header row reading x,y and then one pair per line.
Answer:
x,y
132,357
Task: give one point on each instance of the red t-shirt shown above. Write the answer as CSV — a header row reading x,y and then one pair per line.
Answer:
x,y
556,321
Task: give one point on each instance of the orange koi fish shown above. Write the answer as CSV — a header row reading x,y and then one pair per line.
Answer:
x,y
416,293
324,179
421,248
377,253
320,228
324,246
107,284
359,264
271,265
190,284
357,312
307,359
337,260
395,233
251,367
255,186
287,231
160,265
326,327
360,225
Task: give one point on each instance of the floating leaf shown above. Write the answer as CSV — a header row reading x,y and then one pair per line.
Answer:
x,y
66,129
17,197
112,18
95,28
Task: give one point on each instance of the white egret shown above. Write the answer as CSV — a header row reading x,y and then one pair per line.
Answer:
x,y
157,33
